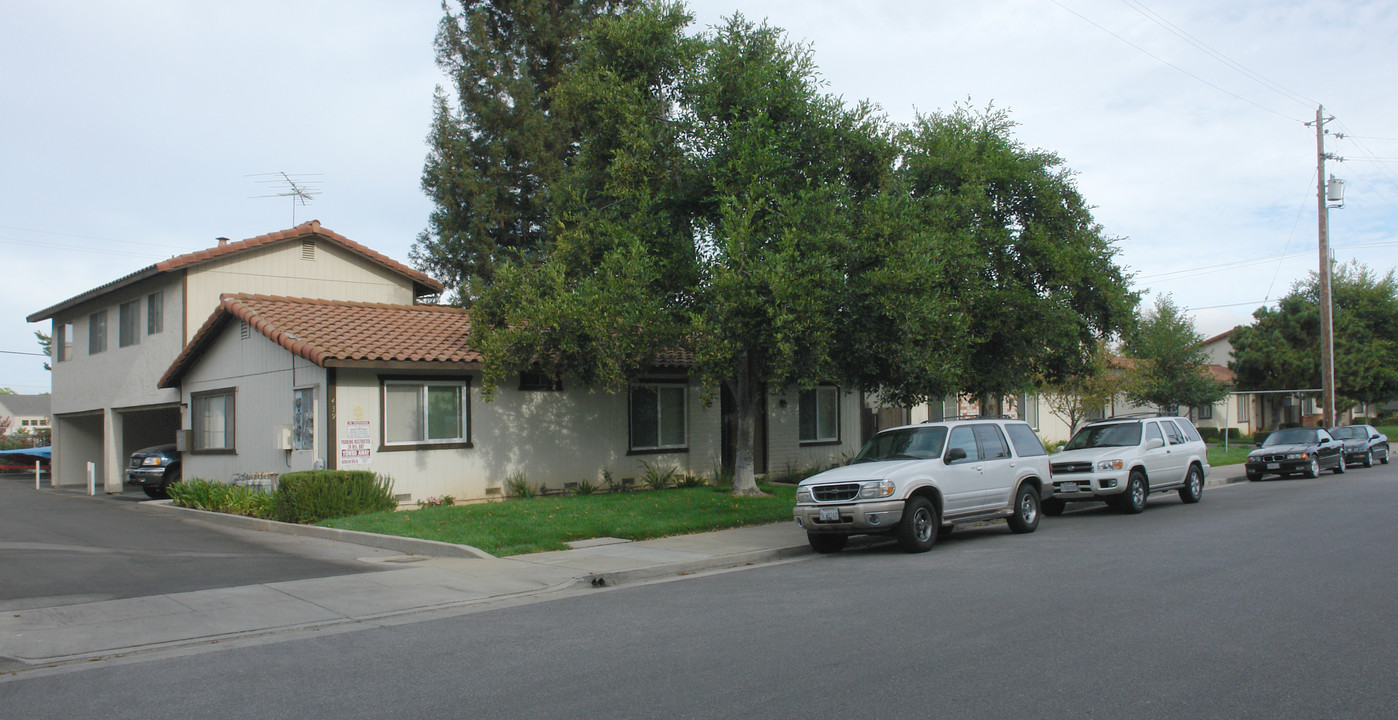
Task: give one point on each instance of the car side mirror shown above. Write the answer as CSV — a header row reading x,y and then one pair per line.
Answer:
x,y
1154,443
955,454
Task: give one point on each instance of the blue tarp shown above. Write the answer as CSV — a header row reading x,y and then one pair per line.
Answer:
x,y
42,454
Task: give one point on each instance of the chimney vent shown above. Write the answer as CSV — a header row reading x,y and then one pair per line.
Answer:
x,y
222,241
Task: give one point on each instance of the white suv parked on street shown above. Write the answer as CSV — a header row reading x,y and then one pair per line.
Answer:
x,y
915,482
1123,460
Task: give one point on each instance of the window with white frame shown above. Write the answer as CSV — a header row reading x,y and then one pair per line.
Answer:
x,y
1244,408
303,419
97,332
155,312
820,414
128,323
658,417
1028,407
213,421
1205,412
417,412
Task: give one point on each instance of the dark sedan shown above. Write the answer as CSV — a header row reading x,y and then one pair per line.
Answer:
x,y
1364,444
1296,451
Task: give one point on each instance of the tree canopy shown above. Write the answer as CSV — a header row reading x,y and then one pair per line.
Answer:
x,y
1281,349
1172,368
714,198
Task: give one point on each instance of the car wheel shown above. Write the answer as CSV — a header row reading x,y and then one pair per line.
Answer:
x,y
917,531
1340,467
1193,488
1026,510
1384,459
1254,477
155,492
1052,507
825,543
1369,458
1313,470
1134,499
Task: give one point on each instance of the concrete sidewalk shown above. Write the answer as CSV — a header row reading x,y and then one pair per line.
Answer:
x,y
427,578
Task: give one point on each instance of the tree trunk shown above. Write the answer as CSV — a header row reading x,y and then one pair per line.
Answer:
x,y
744,387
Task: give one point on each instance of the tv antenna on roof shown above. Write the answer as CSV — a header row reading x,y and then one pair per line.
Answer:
x,y
297,187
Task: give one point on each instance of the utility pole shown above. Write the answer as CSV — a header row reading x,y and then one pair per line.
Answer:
x,y
1327,316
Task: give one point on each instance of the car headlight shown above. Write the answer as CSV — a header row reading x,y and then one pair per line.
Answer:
x,y
876,489
1299,456
156,461
803,494
1108,464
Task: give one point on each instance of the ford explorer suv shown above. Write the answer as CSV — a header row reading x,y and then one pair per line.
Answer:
x,y
1122,461
155,469
918,481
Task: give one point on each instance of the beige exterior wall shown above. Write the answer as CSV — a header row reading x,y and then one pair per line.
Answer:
x,y
786,454
282,269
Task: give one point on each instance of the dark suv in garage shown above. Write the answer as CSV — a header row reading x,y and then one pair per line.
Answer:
x,y
155,469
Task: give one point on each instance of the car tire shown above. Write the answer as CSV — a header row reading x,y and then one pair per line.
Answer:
x,y
1024,515
1369,458
1193,489
1133,499
1254,477
826,543
155,492
1340,468
1313,470
1384,459
917,530
1052,507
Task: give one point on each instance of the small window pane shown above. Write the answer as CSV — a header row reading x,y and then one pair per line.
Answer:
x,y
672,416
97,332
303,413
213,421
128,323
155,312
645,425
962,437
403,407
443,412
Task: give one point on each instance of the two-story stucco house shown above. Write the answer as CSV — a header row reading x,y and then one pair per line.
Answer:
x,y
112,344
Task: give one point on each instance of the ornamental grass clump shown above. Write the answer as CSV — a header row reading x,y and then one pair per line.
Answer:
x,y
202,494
315,495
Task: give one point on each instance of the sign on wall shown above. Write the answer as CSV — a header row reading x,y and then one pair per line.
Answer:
x,y
355,449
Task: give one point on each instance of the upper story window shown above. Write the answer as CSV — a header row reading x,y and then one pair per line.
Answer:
x,y
214,421
658,417
128,323
155,312
97,332
426,411
63,342
539,380
820,414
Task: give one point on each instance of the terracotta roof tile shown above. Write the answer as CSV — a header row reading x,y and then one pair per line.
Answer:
x,y
337,332
312,228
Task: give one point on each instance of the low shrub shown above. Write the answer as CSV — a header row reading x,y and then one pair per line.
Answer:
x,y
202,494
1260,435
1210,434
314,495
434,501
656,479
517,486
691,481
585,487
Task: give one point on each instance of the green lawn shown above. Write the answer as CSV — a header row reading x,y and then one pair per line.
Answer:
x,y
515,527
1237,453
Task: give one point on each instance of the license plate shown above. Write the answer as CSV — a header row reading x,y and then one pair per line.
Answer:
x,y
1068,487
829,514
1273,466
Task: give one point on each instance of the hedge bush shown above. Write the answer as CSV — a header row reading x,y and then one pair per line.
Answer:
x,y
314,495
202,494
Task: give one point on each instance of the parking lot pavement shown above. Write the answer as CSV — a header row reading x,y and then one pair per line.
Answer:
x,y
61,547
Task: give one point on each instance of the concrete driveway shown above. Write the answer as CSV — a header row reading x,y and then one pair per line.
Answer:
x,y
62,547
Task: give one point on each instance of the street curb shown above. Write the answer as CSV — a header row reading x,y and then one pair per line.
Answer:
x,y
408,546
718,562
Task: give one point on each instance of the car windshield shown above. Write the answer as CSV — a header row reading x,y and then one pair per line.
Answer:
x,y
1351,432
1290,436
905,444
1114,435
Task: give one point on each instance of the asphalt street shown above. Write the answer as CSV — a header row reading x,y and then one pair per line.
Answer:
x,y
60,547
1266,600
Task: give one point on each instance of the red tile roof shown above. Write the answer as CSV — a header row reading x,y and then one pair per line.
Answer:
x,y
423,283
340,333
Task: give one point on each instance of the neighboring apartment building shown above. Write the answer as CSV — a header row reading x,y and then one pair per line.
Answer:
x,y
111,344
23,414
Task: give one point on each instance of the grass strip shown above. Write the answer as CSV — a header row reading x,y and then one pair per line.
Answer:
x,y
519,526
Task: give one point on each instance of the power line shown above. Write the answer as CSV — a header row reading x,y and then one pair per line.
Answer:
x,y
1163,61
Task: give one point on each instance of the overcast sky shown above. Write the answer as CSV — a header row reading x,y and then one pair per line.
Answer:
x,y
134,131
